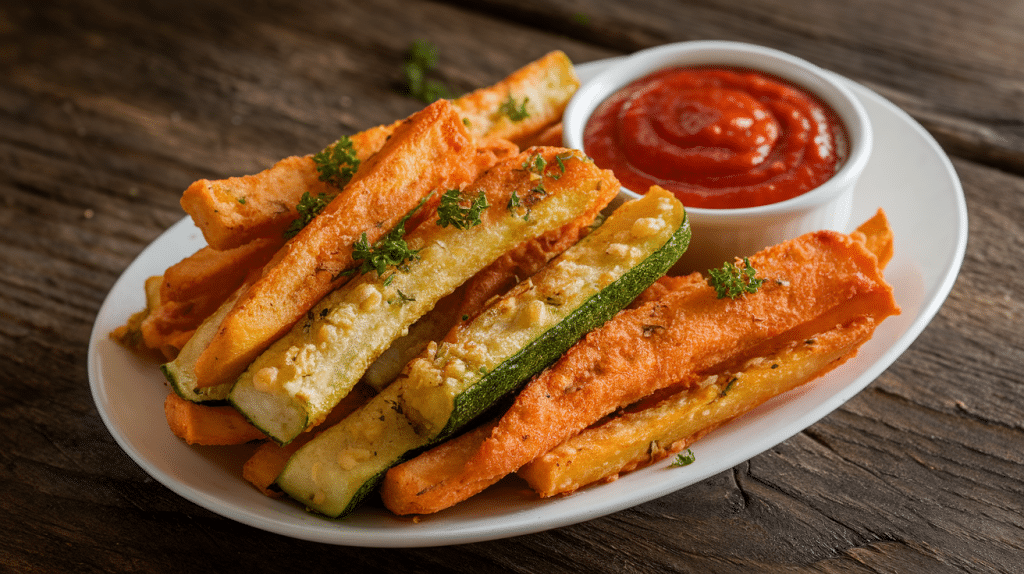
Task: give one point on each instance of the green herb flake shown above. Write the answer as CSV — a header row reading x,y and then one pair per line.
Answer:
x,y
515,111
684,458
561,159
451,210
514,203
337,163
391,250
732,281
535,164
419,62
242,200
728,386
308,208
402,297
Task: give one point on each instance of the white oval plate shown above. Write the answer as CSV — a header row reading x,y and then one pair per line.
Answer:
x,y
908,175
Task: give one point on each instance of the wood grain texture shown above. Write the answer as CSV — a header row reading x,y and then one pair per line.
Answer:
x,y
109,109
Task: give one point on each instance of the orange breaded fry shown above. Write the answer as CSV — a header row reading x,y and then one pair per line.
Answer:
x,y
211,271
231,212
817,279
206,425
193,288
234,211
877,236
545,85
430,152
412,481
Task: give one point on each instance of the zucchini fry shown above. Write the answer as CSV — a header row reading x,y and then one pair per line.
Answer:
x,y
430,152
817,280
495,280
266,463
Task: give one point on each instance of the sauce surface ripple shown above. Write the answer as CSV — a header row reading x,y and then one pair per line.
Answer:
x,y
716,137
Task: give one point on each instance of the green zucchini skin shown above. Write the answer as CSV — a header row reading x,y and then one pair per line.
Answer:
x,y
180,373
210,396
412,410
540,353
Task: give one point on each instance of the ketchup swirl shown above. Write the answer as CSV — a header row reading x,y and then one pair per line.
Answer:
x,y
716,137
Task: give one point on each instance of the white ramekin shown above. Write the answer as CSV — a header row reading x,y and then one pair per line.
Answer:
x,y
721,235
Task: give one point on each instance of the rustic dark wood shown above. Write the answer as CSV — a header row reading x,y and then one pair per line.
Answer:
x,y
108,110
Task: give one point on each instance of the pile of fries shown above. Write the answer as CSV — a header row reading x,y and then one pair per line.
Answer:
x,y
682,360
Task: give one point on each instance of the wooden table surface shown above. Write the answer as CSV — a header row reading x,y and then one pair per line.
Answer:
x,y
108,110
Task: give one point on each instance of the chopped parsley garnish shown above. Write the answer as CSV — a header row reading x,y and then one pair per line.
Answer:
x,y
684,458
451,212
561,158
421,60
728,386
537,167
241,200
402,298
337,163
389,250
732,281
308,208
514,203
513,110
535,164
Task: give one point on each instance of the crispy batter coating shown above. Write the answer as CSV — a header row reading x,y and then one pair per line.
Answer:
x,y
192,289
206,425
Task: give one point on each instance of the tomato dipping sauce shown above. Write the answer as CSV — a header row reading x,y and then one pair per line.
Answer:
x,y
717,137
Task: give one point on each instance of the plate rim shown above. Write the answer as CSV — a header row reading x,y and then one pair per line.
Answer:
x,y
524,521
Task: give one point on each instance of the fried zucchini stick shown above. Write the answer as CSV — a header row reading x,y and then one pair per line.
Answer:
x,y
429,153
817,280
